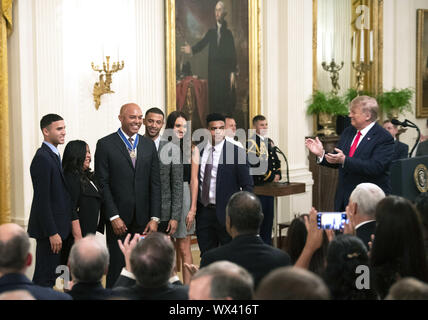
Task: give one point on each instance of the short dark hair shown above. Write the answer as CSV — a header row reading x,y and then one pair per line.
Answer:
x,y
228,116
48,119
152,260
215,117
258,118
245,212
155,110
14,252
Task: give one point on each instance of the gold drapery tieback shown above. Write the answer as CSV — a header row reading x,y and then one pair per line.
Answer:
x,y
5,186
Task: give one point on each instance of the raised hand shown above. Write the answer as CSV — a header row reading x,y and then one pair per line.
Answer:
x,y
315,146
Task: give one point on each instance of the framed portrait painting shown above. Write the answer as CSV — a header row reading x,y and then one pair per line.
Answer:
x,y
213,59
422,65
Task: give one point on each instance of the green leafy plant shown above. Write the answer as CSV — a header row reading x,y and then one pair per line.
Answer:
x,y
329,103
396,100
352,93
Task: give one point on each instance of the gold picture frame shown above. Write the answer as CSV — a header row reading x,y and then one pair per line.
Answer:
x,y
421,65
253,100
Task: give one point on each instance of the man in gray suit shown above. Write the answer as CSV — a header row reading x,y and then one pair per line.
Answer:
x,y
171,173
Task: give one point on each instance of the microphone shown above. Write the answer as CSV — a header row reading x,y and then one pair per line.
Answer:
x,y
286,162
399,123
410,124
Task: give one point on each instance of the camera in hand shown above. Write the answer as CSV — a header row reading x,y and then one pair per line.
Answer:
x,y
331,220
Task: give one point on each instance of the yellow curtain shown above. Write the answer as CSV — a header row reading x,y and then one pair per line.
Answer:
x,y
5,31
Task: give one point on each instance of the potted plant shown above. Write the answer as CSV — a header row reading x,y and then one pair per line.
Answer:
x,y
327,106
352,93
395,102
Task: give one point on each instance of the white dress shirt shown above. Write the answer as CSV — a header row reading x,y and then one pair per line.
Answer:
x,y
216,159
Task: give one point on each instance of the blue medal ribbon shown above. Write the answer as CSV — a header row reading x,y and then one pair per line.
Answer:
x,y
128,144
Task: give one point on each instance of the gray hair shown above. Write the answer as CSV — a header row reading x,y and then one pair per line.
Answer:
x,y
367,196
408,289
14,252
227,280
89,259
367,105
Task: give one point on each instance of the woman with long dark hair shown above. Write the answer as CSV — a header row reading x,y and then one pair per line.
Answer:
x,y
398,247
177,121
82,187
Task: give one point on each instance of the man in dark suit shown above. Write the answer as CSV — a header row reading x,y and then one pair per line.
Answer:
x,y
223,171
150,261
222,63
127,167
15,258
267,168
51,214
401,150
88,262
243,219
361,211
422,149
363,154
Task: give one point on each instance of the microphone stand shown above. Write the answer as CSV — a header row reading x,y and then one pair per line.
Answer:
x,y
412,125
286,162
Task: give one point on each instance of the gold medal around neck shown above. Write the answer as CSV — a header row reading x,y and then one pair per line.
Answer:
x,y
133,154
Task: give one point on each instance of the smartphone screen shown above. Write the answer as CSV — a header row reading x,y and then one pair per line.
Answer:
x,y
331,220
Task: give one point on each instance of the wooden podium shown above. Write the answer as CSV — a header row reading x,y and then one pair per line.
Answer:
x,y
278,189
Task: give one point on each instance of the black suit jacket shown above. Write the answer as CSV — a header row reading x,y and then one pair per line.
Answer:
x,y
401,151
128,191
90,291
17,281
167,292
251,253
51,209
233,175
365,231
86,203
370,163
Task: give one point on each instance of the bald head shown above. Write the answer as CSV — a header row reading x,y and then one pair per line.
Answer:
x,y
131,118
14,249
88,259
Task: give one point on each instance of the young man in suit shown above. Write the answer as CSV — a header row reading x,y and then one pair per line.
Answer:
x,y
51,215
243,219
363,154
264,159
15,258
127,167
361,211
223,171
401,150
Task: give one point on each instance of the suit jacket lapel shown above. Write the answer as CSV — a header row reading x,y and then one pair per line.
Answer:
x,y
140,152
348,141
55,158
367,140
121,146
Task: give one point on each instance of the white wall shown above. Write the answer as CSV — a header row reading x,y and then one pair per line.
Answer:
x,y
399,61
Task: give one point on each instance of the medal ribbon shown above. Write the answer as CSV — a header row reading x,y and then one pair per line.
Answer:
x,y
128,144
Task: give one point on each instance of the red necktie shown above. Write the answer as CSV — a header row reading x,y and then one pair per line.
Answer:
x,y
354,145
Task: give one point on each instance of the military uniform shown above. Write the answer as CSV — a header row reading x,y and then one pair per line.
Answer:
x,y
265,164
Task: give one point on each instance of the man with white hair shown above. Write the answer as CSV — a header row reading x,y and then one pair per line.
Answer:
x,y
363,154
361,211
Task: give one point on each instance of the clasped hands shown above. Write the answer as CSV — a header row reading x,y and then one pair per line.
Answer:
x,y
316,147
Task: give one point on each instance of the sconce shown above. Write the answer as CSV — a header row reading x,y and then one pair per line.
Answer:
x,y
361,68
103,85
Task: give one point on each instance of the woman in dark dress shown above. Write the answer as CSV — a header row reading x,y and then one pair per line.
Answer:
x,y
83,189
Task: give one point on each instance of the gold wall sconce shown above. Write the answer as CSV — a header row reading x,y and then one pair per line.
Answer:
x,y
103,85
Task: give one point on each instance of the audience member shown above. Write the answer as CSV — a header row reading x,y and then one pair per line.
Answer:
x,y
361,211
422,149
223,171
289,283
295,242
88,262
15,258
243,219
84,190
401,150
230,131
221,280
150,261
408,289
16,295
421,202
345,253
398,249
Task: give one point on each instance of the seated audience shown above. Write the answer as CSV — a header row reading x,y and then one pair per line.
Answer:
x,y
221,280
289,283
16,295
88,262
15,258
150,261
243,219
295,242
345,253
361,211
421,203
398,249
408,289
